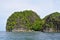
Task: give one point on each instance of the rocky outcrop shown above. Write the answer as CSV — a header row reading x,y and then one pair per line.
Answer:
x,y
52,22
22,21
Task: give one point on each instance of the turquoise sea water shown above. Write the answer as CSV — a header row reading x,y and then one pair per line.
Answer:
x,y
29,36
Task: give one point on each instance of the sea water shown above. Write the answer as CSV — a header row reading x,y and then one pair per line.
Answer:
x,y
29,36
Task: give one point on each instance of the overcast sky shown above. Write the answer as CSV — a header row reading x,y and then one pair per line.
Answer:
x,y
41,7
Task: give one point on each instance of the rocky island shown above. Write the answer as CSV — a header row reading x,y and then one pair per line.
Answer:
x,y
52,22
28,20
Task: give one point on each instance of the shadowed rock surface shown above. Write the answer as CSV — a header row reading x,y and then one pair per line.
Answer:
x,y
52,22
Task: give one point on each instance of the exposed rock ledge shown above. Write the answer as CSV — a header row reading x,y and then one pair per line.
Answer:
x,y
21,30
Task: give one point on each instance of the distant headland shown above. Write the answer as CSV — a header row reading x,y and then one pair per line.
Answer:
x,y
28,20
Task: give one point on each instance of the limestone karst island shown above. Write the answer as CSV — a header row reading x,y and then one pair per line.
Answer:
x,y
28,20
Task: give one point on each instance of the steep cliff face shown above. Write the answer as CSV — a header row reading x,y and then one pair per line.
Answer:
x,y
22,21
52,22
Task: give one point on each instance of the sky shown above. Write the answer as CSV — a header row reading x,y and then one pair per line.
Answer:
x,y
41,7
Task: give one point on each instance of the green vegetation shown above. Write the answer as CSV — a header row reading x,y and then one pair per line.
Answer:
x,y
29,20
